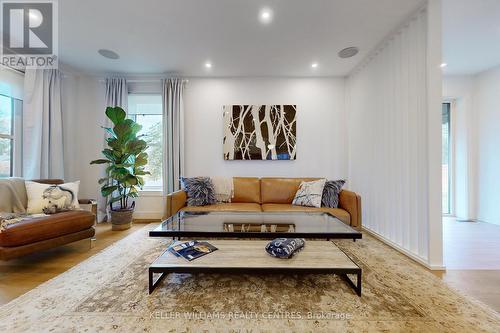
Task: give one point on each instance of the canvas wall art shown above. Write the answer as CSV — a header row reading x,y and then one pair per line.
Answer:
x,y
260,132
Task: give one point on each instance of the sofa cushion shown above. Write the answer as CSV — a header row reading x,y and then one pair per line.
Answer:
x,y
309,193
225,207
47,227
339,213
280,190
246,189
200,191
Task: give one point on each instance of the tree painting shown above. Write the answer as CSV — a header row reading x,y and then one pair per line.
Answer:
x,y
260,132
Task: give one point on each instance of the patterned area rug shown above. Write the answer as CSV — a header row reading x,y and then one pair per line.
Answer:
x,y
108,293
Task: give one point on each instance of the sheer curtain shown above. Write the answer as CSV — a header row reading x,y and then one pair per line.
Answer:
x,y
42,125
116,94
173,133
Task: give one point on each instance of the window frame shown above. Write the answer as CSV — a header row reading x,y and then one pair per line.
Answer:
x,y
12,137
149,191
451,157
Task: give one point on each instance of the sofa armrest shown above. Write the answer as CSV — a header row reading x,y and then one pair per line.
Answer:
x,y
175,201
92,206
351,202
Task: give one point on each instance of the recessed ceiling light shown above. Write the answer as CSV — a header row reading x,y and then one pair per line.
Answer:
x,y
208,64
314,65
265,15
108,54
443,65
348,52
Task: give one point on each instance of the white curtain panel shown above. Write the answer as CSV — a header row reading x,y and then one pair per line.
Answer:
x,y
388,138
173,133
116,94
42,125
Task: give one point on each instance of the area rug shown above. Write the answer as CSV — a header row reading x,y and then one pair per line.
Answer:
x,y
108,293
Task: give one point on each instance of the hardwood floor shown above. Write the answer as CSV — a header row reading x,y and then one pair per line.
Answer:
x,y
471,256
478,278
18,276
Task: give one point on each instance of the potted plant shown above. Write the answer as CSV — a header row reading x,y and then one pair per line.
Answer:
x,y
126,159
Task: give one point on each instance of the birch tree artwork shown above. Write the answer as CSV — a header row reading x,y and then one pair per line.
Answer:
x,y
260,132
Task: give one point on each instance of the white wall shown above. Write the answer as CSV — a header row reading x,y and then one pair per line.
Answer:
x,y
321,130
394,138
486,105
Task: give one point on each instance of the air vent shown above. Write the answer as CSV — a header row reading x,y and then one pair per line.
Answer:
x,y
348,52
108,54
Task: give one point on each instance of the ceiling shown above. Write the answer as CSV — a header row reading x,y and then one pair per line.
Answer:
x,y
179,36
471,35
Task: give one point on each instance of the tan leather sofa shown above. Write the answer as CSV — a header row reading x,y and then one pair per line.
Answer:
x,y
270,195
46,232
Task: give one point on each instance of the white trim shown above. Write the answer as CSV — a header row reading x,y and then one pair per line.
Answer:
x,y
146,214
407,253
150,193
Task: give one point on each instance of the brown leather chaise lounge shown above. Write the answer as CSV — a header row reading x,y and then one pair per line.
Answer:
x,y
270,195
47,232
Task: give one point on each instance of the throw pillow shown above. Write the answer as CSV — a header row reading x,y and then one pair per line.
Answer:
x,y
49,199
331,193
309,193
200,191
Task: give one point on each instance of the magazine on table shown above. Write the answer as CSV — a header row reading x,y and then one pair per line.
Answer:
x,y
192,249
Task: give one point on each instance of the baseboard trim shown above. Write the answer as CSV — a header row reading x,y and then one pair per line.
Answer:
x,y
148,215
404,251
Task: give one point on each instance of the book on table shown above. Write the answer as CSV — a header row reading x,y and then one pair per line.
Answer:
x,y
192,249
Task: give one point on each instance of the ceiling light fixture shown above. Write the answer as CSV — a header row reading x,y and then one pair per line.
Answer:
x,y
348,52
314,65
208,64
265,15
108,54
443,65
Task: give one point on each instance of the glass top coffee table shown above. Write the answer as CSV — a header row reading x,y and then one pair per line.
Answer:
x,y
265,225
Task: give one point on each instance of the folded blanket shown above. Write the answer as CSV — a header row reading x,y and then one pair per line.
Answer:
x,y
224,188
285,248
13,195
9,218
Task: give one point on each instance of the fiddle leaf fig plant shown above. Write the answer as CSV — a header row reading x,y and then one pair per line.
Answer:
x,y
126,158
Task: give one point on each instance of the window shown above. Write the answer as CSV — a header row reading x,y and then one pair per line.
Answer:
x,y
146,109
10,141
446,158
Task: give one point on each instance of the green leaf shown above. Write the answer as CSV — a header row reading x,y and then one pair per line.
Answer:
x,y
100,161
136,146
115,114
141,159
110,132
140,172
107,190
131,180
110,155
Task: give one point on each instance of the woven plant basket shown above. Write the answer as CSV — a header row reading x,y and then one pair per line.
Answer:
x,y
121,219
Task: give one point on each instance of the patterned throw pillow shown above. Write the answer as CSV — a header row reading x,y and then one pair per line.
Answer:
x,y
331,193
50,199
200,191
309,193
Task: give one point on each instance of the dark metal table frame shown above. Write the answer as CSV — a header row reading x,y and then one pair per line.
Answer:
x,y
342,272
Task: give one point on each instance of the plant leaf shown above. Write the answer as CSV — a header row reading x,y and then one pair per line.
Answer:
x,y
107,190
115,114
100,161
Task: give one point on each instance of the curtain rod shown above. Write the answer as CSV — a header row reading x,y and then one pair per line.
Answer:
x,y
141,80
